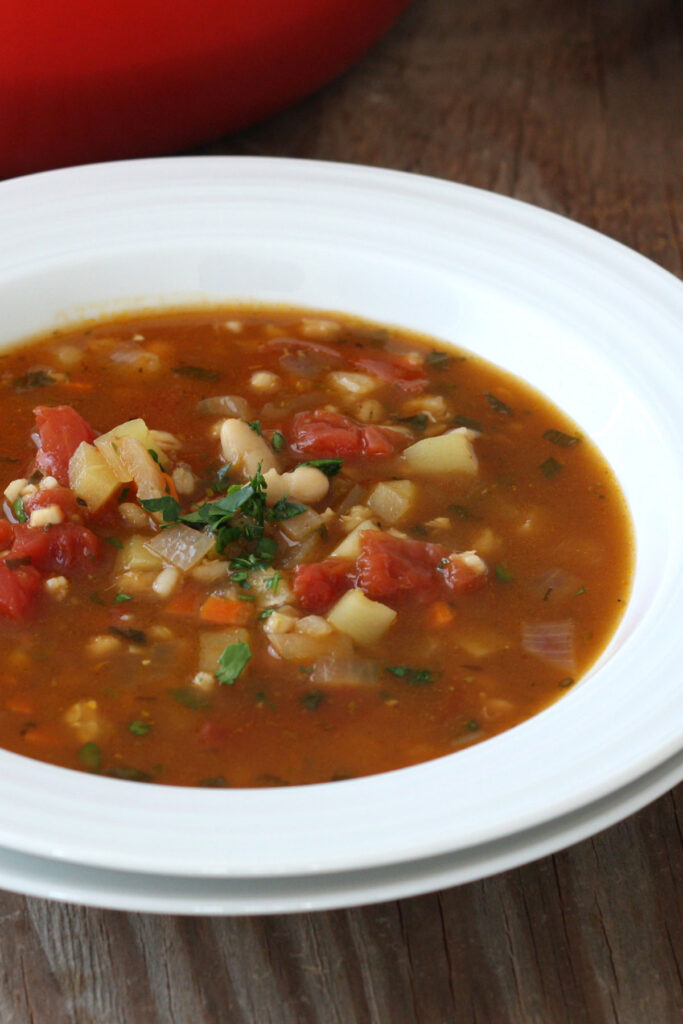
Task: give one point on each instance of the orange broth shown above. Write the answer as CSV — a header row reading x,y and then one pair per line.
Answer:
x,y
110,670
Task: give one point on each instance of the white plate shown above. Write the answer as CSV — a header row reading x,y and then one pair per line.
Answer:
x,y
595,326
166,894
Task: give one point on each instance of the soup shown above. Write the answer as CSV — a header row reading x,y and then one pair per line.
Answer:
x,y
255,546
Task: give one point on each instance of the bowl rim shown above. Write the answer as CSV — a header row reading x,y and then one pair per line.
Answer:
x,y
51,221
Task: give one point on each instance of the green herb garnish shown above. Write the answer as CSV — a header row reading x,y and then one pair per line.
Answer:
x,y
472,725
196,372
278,441
120,598
91,756
465,421
414,676
266,613
255,426
19,510
284,509
418,422
312,701
566,682
550,468
190,698
564,440
330,467
136,636
150,451
114,541
438,360
34,379
274,582
168,506
577,593
140,728
497,404
215,782
503,573
231,662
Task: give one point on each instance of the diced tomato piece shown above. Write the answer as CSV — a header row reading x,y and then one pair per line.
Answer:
x,y
391,568
329,435
393,368
319,584
66,548
60,496
462,574
6,534
18,590
61,431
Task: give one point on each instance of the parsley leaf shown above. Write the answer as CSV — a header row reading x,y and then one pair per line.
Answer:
x,y
330,467
414,676
564,440
255,426
497,404
196,372
168,506
91,756
278,441
19,510
284,509
140,728
231,662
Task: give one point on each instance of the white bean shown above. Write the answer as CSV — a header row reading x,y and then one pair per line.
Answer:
x,y
246,449
305,484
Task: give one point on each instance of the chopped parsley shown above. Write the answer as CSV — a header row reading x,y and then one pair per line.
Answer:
x,y
274,582
550,468
312,701
266,613
120,598
564,440
465,421
497,404
255,426
414,676
196,372
139,727
114,541
503,573
19,510
231,662
472,725
278,441
189,697
136,636
154,455
34,379
330,467
438,360
417,422
91,756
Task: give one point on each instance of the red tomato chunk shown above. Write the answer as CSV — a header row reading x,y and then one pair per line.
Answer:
x,y
18,588
328,435
319,584
66,548
391,568
61,430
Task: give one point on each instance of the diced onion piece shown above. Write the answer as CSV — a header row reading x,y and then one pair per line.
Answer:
x,y
393,500
365,621
91,477
141,467
212,645
181,546
335,671
299,527
552,642
447,453
350,546
108,445
225,405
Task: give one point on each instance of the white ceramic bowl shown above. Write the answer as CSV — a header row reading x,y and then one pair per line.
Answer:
x,y
593,325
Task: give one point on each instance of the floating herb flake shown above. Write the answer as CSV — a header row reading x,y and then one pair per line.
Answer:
x,y
91,756
231,663
558,437
497,404
438,360
550,468
465,421
503,573
312,701
330,467
140,727
190,697
19,510
120,598
414,676
34,379
196,372
278,441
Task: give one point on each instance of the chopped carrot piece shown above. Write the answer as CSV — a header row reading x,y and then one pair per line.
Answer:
x,y
440,614
79,385
225,611
40,737
170,487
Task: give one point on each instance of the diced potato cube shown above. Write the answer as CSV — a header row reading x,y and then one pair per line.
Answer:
x,y
350,546
447,453
135,556
212,644
365,621
393,500
90,477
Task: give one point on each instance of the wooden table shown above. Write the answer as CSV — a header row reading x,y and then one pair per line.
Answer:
x,y
577,106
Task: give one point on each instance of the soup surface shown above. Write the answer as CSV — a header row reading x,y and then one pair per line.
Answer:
x,y
253,546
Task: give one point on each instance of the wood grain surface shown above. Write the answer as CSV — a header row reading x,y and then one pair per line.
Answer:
x,y
577,106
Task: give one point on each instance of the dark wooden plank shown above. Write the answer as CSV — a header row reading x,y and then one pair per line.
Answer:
x,y
577,106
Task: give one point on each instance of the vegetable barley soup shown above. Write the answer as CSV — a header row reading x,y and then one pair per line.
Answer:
x,y
259,547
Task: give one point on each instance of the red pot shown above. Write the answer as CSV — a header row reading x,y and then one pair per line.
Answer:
x,y
82,81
